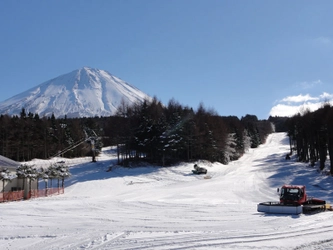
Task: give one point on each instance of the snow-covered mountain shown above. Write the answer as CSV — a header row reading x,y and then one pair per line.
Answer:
x,y
85,92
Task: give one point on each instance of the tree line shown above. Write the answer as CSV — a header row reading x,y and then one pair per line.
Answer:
x,y
147,131
172,133
311,136
27,136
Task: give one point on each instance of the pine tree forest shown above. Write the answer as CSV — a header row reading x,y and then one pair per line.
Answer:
x,y
311,136
148,131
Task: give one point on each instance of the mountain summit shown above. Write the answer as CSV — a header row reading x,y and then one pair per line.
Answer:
x,y
85,92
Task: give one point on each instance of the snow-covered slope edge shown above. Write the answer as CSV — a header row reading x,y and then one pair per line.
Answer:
x,y
85,92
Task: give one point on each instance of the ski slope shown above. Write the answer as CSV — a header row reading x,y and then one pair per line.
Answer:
x,y
169,208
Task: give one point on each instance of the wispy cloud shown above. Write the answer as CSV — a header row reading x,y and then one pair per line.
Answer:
x,y
309,85
323,40
299,98
292,105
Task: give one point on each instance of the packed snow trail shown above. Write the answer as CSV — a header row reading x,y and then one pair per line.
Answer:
x,y
170,208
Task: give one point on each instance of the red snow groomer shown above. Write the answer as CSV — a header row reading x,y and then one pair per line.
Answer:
x,y
293,200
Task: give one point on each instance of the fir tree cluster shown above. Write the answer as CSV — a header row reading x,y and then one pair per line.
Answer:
x,y
27,136
311,136
168,134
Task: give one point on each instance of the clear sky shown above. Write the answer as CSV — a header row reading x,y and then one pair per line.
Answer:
x,y
237,57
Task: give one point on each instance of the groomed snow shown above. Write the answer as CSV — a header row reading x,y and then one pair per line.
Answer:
x,y
169,208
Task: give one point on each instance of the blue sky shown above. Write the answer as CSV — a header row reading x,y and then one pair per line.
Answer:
x,y
236,57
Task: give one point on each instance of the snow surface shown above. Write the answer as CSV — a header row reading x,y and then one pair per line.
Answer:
x,y
85,92
170,208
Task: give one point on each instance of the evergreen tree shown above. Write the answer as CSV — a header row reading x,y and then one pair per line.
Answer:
x,y
26,172
6,175
63,173
230,148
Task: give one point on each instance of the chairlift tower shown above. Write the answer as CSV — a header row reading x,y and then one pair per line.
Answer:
x,y
93,150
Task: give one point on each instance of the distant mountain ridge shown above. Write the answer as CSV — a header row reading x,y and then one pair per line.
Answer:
x,y
86,92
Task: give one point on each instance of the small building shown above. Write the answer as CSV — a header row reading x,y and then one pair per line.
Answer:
x,y
6,163
15,184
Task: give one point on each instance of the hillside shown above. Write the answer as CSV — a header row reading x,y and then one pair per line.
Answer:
x,y
169,208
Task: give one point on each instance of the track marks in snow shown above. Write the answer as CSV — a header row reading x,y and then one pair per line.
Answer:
x,y
200,240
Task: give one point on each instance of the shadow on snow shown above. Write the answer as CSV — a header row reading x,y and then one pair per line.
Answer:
x,y
102,170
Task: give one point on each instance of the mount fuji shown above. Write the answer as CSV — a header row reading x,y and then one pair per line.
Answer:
x,y
86,92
